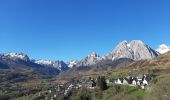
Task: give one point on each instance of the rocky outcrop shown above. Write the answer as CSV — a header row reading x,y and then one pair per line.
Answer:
x,y
91,59
136,50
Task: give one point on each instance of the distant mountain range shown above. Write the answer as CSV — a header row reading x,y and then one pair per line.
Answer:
x,y
14,61
123,53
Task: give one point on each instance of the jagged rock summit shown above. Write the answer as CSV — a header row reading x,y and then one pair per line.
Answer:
x,y
91,59
136,50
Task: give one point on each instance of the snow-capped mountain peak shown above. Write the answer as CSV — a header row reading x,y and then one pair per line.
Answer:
x,y
44,62
56,64
163,49
14,55
72,63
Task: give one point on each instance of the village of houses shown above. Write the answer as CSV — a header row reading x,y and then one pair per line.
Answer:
x,y
140,81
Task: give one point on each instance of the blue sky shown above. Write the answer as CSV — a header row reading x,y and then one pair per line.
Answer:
x,y
71,29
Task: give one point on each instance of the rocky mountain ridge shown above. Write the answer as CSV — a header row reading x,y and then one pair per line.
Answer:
x,y
134,50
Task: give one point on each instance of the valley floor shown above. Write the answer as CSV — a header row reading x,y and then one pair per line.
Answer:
x,y
43,89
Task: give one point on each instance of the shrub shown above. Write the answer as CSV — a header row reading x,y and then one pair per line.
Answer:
x,y
101,83
84,94
116,89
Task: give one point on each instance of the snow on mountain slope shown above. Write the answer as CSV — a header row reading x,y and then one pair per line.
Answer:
x,y
55,64
163,49
72,63
122,50
15,56
44,62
